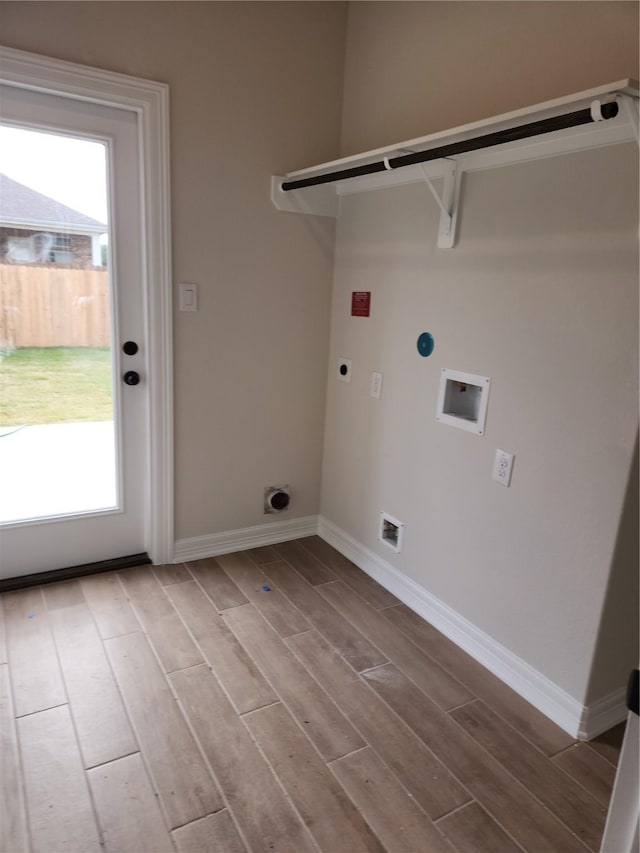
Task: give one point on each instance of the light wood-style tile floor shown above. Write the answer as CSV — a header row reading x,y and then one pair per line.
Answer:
x,y
272,700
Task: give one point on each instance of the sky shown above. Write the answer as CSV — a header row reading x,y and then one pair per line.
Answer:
x,y
67,169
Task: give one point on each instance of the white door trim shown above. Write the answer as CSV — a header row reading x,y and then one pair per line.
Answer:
x,y
622,829
150,101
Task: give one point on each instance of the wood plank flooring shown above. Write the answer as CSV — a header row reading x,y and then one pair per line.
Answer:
x,y
275,700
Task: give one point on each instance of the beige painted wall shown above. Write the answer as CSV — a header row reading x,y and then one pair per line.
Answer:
x,y
540,294
415,68
255,89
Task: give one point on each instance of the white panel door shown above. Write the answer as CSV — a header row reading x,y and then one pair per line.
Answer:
x,y
73,448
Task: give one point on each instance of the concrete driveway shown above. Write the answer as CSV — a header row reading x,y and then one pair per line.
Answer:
x,y
56,469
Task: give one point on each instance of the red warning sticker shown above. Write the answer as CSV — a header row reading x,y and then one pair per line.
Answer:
x,y
360,303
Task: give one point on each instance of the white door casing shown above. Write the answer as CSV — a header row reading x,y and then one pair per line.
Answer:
x,y
141,107
622,829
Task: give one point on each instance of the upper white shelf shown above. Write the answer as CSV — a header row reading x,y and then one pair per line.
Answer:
x,y
324,199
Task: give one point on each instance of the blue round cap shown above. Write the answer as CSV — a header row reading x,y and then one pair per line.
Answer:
x,y
425,344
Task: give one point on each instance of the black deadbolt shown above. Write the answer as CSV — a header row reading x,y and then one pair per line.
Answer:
x,y
130,348
131,377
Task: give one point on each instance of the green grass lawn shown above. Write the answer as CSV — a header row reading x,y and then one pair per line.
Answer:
x,y
52,385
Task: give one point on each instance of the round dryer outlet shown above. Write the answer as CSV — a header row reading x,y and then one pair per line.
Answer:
x,y
276,498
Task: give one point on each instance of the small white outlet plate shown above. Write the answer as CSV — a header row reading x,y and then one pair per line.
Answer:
x,y
502,467
344,369
376,385
188,296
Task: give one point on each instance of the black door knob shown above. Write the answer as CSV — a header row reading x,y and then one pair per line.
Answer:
x,y
130,348
131,377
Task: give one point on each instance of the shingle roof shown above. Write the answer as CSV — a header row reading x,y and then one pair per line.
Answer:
x,y
22,206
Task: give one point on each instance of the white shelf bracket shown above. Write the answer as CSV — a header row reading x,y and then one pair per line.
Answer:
x,y
448,203
630,108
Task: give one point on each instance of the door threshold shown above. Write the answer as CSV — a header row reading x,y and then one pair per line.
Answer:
x,y
72,572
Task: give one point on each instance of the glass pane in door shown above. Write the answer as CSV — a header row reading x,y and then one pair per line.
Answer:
x,y
57,440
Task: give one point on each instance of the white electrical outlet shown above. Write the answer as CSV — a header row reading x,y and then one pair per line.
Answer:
x,y
502,467
344,369
375,389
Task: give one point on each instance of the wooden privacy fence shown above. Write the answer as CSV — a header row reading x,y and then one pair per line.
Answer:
x,y
53,307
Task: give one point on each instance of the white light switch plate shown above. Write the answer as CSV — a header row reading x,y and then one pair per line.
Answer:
x,y
188,296
502,467
375,388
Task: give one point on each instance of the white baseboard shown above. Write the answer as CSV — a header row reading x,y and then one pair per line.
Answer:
x,y
603,714
578,720
199,547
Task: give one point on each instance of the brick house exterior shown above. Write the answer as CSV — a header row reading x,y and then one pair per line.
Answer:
x,y
37,230
78,245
